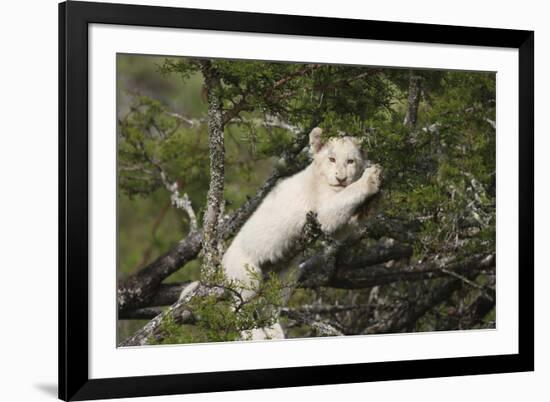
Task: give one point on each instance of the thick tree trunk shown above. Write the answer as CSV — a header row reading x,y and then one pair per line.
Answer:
x,y
413,101
217,154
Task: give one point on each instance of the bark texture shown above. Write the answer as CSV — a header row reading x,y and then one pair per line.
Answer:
x,y
413,100
214,200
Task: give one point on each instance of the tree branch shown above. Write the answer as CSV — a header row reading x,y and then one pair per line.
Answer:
x,y
352,277
311,271
320,328
178,311
269,121
404,316
146,313
138,290
315,309
180,202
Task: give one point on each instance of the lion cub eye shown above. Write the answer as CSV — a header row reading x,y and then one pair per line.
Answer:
x,y
332,160
350,161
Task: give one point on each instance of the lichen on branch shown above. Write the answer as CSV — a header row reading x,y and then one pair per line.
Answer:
x,y
214,201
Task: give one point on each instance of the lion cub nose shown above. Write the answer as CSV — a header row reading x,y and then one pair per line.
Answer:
x,y
340,181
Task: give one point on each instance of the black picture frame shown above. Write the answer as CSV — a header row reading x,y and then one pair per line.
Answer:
x,y
74,381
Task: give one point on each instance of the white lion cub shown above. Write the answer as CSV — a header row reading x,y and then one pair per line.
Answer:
x,y
332,186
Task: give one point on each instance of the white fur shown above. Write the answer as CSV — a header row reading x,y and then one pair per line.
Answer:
x,y
331,186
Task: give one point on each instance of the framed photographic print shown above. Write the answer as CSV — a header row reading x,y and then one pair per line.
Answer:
x,y
257,201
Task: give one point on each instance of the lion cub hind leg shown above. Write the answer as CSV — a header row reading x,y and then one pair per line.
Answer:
x,y
234,262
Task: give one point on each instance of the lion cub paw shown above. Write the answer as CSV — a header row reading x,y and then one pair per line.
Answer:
x,y
372,178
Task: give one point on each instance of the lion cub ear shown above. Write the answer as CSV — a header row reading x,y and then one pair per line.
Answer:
x,y
315,143
358,141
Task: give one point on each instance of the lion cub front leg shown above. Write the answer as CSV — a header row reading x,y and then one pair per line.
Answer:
x,y
370,180
335,213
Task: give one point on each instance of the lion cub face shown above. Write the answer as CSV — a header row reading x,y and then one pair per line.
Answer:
x,y
339,162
